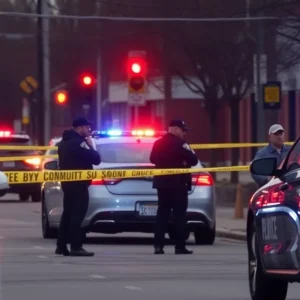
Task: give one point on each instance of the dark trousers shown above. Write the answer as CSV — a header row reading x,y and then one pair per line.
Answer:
x,y
76,201
177,201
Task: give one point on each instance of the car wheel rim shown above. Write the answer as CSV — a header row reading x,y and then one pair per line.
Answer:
x,y
253,263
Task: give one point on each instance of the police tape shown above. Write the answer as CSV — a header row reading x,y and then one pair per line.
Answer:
x,y
27,157
82,175
193,146
230,145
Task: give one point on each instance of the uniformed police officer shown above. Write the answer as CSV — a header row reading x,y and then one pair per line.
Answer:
x,y
75,152
170,152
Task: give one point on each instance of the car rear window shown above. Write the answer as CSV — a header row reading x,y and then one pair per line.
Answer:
x,y
125,152
15,141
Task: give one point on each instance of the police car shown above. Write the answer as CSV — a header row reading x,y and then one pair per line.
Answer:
x,y
273,228
130,205
27,190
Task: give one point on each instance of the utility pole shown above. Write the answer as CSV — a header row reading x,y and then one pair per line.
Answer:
x,y
44,96
99,75
99,93
261,133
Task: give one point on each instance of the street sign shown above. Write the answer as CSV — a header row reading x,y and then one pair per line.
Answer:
x,y
25,87
272,95
29,85
32,82
136,99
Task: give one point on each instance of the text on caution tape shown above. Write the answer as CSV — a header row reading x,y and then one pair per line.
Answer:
x,y
83,175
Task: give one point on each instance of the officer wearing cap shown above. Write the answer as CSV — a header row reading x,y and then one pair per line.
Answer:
x,y
75,152
276,148
171,152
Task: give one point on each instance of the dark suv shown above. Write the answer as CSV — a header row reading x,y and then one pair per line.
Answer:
x,y
25,191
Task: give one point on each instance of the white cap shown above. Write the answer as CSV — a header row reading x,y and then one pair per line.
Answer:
x,y
274,128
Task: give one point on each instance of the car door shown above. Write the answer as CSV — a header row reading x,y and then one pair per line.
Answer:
x,y
53,194
277,219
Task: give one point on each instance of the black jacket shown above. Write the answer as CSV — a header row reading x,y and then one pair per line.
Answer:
x,y
171,152
75,154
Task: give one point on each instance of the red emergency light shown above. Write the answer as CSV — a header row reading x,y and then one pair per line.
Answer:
x,y
5,133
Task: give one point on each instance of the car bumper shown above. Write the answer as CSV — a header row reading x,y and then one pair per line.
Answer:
x,y
278,233
113,222
115,213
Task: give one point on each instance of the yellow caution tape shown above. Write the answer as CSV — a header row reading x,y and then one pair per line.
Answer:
x,y
194,146
78,175
32,148
17,158
231,145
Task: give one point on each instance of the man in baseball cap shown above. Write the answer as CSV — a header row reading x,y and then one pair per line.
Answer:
x,y
276,148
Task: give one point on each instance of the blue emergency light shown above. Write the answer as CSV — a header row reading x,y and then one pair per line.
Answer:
x,y
133,133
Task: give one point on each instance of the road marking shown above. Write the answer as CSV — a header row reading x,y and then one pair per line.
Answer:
x,y
132,288
38,247
42,256
97,276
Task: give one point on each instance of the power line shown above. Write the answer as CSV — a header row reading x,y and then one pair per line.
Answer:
x,y
140,19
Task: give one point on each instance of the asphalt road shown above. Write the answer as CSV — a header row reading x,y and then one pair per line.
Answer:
x,y
124,266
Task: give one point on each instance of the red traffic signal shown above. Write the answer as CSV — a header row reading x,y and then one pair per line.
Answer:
x,y
61,97
87,80
137,66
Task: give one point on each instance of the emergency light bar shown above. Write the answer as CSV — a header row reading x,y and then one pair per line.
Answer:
x,y
5,133
133,133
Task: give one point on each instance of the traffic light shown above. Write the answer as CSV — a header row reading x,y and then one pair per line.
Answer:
x,y
137,71
87,80
87,88
61,97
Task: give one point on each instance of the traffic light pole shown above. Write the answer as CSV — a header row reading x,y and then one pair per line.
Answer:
x,y
99,92
44,96
261,133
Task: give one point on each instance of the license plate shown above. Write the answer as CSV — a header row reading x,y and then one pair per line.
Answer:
x,y
147,210
9,164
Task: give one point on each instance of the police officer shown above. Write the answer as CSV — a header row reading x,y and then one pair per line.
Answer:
x,y
75,152
171,152
276,148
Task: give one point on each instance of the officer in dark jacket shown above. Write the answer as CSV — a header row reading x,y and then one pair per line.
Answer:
x,y
171,152
75,152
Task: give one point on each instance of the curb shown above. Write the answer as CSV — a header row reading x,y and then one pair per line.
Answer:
x,y
235,235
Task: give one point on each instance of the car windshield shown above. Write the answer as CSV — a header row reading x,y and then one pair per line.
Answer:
x,y
125,152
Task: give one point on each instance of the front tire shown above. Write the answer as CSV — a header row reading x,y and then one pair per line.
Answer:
x,y
205,236
36,196
48,232
261,286
24,197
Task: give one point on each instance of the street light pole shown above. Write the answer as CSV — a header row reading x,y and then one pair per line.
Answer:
x,y
99,93
44,94
259,90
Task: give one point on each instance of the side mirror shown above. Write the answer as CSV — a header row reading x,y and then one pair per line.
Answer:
x,y
51,165
4,186
264,166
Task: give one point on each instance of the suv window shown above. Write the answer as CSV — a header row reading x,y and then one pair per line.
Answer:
x,y
293,160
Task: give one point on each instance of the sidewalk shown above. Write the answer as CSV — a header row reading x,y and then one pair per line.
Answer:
x,y
228,226
244,177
